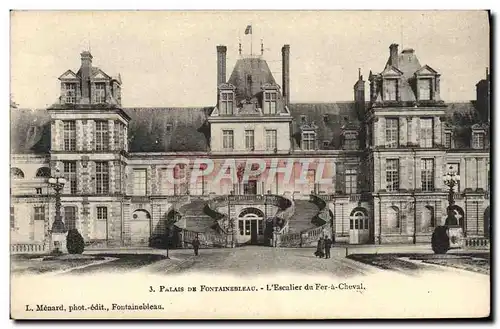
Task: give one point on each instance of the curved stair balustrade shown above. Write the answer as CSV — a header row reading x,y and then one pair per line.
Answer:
x,y
309,236
284,205
323,215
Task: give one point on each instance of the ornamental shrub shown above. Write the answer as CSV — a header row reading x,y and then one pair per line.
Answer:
x,y
74,242
440,240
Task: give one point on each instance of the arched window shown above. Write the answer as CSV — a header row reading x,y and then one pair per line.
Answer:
x,y
141,214
428,220
252,212
393,220
16,173
43,172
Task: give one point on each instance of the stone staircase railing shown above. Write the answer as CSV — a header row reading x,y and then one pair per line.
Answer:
x,y
476,243
285,214
310,236
283,203
323,215
207,239
31,248
306,238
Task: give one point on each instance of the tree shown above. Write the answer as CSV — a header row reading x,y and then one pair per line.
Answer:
x,y
74,242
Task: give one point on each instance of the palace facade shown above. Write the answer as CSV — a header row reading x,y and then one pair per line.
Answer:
x,y
253,168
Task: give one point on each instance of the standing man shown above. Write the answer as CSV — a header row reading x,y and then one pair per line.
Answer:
x,y
328,245
196,245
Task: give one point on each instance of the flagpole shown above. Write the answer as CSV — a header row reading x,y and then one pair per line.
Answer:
x,y
251,39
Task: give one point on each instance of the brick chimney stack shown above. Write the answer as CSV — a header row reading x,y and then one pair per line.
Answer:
x,y
221,65
393,54
86,70
359,96
285,53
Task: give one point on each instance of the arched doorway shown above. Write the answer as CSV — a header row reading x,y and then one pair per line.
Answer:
x,y
250,226
140,227
359,226
458,219
486,222
164,232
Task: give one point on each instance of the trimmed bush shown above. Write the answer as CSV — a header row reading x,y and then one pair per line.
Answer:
x,y
440,240
74,242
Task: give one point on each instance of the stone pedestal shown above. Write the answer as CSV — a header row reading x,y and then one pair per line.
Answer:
x,y
58,242
456,235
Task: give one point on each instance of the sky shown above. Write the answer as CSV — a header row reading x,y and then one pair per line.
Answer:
x,y
169,58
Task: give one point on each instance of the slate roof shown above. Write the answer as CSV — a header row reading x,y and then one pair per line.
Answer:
x,y
327,117
248,76
168,129
186,129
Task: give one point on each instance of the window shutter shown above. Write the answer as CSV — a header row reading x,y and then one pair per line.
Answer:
x,y
383,176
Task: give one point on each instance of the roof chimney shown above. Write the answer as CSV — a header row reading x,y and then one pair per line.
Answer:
x,y
285,54
85,72
221,65
393,53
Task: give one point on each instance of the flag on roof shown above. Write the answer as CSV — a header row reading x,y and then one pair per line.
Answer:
x,y
248,30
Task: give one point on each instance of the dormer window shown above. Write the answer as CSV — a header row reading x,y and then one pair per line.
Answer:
x,y
425,89
478,140
100,92
303,119
270,103
227,103
391,89
308,140
70,93
350,140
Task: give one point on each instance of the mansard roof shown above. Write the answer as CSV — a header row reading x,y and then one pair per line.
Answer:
x,y
170,129
248,76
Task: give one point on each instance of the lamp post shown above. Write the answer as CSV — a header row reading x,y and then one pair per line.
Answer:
x,y
451,179
231,219
58,228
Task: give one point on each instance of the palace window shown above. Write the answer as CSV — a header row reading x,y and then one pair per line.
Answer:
x,y
102,177
425,89
227,139
350,141
351,180
100,92
101,136
249,140
69,135
39,213
118,126
227,103
70,93
391,89
447,140
70,217
102,213
139,181
427,174
392,132
270,101
428,220
309,140
271,139
12,218
393,218
426,132
392,174
478,140
69,172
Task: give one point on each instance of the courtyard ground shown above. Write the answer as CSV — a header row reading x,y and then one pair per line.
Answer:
x,y
251,260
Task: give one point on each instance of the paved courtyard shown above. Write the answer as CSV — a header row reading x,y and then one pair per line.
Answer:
x,y
253,260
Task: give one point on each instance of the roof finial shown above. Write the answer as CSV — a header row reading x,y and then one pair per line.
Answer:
x,y
240,49
359,73
261,47
487,73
